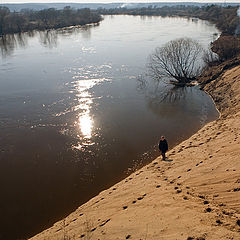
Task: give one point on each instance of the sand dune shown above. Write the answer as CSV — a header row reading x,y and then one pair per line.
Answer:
x,y
193,195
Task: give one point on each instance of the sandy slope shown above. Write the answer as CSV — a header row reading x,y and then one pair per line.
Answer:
x,y
194,195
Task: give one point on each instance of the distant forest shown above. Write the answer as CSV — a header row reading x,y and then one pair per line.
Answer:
x,y
225,18
28,20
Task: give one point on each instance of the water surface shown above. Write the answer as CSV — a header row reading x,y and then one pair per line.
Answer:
x,y
74,118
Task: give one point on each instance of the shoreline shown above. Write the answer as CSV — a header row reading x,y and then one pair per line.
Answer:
x,y
195,194
220,114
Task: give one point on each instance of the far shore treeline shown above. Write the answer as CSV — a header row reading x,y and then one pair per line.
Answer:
x,y
225,18
29,20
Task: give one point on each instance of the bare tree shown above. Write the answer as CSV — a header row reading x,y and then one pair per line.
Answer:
x,y
178,61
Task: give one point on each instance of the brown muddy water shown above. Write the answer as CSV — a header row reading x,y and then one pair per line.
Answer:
x,y
74,119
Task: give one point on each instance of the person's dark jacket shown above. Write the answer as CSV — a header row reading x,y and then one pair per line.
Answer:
x,y
163,145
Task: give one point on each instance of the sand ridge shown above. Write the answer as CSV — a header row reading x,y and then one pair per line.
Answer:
x,y
195,194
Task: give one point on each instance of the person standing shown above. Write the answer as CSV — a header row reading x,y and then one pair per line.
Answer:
x,y
163,147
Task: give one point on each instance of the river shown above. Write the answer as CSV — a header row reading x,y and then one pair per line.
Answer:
x,y
75,118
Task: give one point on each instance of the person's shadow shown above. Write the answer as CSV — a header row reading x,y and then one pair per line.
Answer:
x,y
168,160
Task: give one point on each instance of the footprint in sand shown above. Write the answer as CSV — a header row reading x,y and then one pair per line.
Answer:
x,y
226,213
190,238
218,221
141,198
105,222
208,209
193,238
93,229
236,189
208,139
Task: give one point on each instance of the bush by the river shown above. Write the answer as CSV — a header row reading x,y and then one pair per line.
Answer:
x,y
28,20
226,47
178,61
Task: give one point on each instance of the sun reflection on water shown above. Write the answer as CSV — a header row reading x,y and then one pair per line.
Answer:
x,y
86,125
84,120
84,80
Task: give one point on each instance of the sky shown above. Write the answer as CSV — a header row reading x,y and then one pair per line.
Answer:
x,y
112,1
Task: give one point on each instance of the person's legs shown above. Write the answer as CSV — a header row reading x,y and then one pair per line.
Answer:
x,y
163,156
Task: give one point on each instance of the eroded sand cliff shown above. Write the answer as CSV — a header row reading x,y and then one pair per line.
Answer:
x,y
193,195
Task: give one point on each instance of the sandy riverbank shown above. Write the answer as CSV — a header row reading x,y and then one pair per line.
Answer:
x,y
194,195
